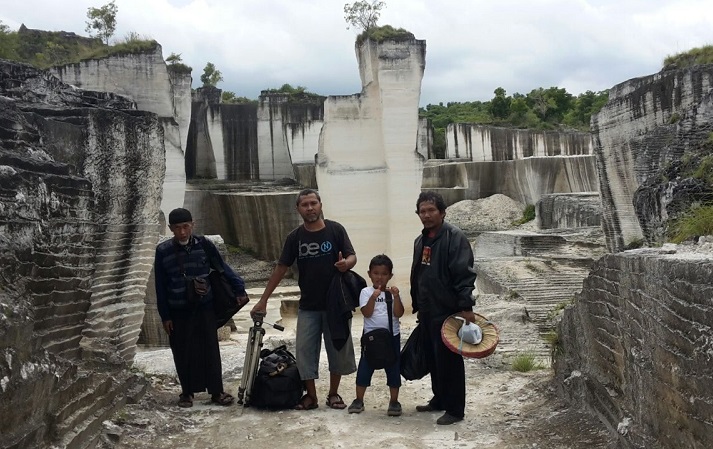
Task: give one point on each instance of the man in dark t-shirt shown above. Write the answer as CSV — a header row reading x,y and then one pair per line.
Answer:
x,y
321,249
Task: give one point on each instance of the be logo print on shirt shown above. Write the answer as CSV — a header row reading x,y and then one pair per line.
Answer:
x,y
314,249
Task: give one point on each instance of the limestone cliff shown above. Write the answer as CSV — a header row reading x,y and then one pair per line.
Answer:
x,y
524,180
80,184
648,124
145,79
636,347
368,167
489,143
569,210
288,132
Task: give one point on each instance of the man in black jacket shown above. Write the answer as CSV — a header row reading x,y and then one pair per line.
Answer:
x,y
442,284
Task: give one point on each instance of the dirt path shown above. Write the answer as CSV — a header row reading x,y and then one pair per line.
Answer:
x,y
505,409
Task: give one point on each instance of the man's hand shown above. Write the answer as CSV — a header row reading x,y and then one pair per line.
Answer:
x,y
168,327
468,315
260,308
341,263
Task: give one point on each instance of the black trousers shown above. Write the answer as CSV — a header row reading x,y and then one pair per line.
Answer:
x,y
196,354
447,372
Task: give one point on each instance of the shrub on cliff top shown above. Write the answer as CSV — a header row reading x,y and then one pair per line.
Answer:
x,y
697,222
386,32
690,58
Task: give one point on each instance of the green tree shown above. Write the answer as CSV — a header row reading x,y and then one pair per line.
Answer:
x,y
583,107
363,14
211,76
500,104
230,97
8,42
102,21
174,58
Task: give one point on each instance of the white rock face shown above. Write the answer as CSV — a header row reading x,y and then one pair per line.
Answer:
x,y
174,183
488,143
287,134
181,88
145,79
368,169
524,180
646,123
425,138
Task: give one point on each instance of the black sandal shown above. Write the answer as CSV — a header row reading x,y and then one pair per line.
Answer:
x,y
307,402
185,401
222,399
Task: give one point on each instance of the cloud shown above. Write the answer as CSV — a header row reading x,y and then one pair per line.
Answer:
x,y
473,46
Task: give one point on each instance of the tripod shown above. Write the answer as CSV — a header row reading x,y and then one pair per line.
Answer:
x,y
252,357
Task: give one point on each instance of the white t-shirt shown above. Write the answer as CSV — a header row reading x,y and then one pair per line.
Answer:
x,y
379,318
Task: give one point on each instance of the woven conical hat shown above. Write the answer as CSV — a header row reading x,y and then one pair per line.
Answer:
x,y
449,335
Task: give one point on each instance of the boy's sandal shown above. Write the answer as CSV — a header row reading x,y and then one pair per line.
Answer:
x,y
222,399
335,401
306,402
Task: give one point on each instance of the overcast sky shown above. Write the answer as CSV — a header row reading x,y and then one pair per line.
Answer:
x,y
472,46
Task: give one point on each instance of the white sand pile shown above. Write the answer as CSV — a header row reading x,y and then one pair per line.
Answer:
x,y
496,212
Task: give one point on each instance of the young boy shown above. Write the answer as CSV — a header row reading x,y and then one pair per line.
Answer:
x,y
373,307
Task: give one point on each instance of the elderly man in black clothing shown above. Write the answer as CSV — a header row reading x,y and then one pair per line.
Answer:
x,y
184,300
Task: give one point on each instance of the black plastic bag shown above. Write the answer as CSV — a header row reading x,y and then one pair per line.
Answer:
x,y
414,358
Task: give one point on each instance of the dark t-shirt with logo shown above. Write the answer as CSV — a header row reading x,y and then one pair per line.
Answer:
x,y
316,253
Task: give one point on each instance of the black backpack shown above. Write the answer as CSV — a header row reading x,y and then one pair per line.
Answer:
x,y
277,384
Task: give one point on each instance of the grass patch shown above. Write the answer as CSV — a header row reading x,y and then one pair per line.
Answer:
x,y
704,171
690,58
527,215
697,222
558,309
386,32
534,268
525,363
180,68
556,349
634,244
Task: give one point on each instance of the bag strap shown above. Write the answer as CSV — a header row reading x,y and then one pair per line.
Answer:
x,y
389,302
212,252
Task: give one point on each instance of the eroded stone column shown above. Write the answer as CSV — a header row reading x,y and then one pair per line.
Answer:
x,y
368,167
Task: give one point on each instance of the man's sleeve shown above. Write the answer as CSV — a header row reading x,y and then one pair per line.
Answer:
x,y
289,250
462,273
161,291
346,246
235,280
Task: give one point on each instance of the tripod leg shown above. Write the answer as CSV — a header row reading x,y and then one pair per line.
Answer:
x,y
252,356
249,354
251,373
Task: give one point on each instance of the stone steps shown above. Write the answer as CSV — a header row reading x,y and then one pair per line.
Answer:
x,y
90,399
